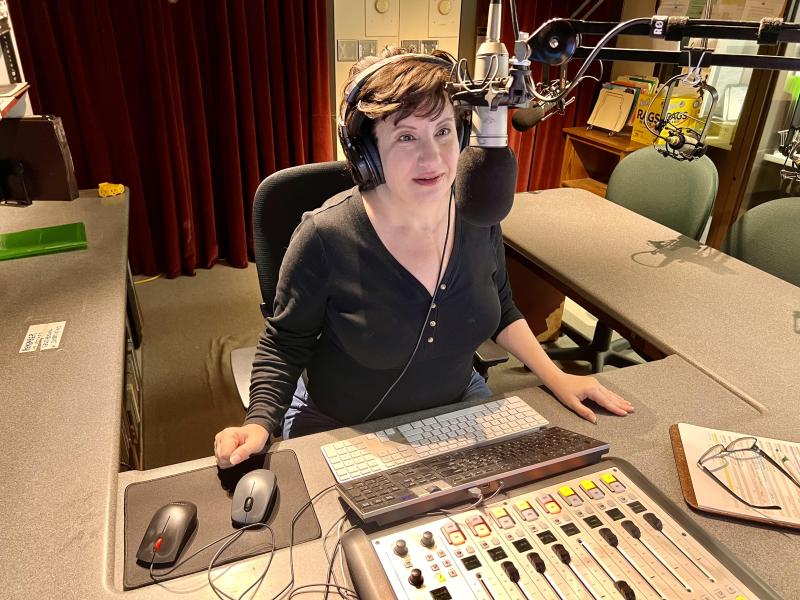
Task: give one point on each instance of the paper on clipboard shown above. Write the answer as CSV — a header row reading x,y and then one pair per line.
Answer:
x,y
612,109
753,478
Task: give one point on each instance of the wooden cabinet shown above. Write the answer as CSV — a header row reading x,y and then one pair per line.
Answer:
x,y
590,156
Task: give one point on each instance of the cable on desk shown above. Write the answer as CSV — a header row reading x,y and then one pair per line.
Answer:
x,y
193,554
219,593
289,586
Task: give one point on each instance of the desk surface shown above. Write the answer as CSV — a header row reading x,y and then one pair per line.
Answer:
x,y
664,392
61,508
736,323
60,409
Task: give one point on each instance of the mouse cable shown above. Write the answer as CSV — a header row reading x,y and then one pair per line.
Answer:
x,y
290,586
331,559
336,548
219,593
439,275
192,555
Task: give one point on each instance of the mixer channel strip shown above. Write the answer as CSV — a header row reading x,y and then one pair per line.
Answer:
x,y
397,446
441,480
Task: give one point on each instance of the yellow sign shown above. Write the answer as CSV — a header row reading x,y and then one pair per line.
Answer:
x,y
682,112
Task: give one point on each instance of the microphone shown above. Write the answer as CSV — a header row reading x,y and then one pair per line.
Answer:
x,y
525,119
685,144
486,177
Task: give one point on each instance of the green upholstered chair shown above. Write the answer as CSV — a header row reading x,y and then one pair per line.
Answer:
x,y
677,194
768,237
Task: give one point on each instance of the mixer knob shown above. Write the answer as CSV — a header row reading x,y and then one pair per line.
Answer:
x,y
427,539
416,579
400,548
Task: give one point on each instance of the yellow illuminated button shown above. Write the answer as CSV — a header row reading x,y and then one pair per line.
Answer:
x,y
591,490
552,507
440,576
478,526
502,518
612,483
549,504
526,511
569,496
452,532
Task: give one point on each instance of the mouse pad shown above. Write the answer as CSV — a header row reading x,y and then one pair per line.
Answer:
x,y
211,489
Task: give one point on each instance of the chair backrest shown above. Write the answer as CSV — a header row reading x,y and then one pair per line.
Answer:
x,y
768,237
677,194
278,206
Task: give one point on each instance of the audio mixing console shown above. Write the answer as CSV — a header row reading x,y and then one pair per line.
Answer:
x,y
603,531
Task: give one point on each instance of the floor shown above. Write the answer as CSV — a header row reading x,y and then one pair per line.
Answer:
x,y
191,324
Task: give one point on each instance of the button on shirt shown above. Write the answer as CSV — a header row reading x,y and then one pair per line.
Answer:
x,y
349,313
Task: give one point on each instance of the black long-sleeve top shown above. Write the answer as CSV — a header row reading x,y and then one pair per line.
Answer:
x,y
350,314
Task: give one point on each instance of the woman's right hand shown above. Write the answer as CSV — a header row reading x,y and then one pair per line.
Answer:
x,y
233,445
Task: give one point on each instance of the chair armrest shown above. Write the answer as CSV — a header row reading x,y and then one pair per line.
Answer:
x,y
488,355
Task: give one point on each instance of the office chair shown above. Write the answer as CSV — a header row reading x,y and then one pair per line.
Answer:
x,y
768,237
278,206
679,195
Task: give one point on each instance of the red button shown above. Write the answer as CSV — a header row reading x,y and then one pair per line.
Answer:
x,y
157,545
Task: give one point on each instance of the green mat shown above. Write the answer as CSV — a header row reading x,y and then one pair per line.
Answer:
x,y
45,240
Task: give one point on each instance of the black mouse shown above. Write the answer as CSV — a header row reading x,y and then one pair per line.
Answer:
x,y
253,497
169,529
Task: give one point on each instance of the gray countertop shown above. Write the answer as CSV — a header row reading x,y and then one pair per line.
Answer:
x,y
61,510
732,321
60,408
664,392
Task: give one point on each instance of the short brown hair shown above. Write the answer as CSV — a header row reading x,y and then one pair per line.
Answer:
x,y
408,87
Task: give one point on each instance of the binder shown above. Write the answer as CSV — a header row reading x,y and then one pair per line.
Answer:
x,y
37,160
703,494
44,240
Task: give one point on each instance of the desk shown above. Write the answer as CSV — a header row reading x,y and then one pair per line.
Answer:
x,y
61,509
732,321
664,392
60,409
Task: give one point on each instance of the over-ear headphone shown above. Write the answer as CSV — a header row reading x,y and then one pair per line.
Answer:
x,y
361,150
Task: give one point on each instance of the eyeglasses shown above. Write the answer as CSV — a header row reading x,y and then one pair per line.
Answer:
x,y
716,458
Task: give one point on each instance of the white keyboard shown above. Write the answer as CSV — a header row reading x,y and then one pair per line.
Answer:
x,y
375,452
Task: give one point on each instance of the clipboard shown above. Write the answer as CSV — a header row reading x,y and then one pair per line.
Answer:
x,y
690,493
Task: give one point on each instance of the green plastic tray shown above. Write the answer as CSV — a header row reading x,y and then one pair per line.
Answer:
x,y
45,240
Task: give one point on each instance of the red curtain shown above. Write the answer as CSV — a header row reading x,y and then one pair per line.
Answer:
x,y
190,103
540,150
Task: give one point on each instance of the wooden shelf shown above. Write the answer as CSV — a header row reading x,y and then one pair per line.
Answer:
x,y
587,183
590,155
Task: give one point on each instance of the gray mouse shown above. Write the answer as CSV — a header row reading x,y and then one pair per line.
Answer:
x,y
253,497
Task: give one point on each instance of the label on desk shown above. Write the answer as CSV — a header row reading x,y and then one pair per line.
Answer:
x,y
44,336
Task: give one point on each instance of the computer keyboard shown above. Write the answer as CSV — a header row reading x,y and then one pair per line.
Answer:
x,y
398,446
446,479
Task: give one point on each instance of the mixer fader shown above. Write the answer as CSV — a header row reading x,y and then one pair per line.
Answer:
x,y
600,532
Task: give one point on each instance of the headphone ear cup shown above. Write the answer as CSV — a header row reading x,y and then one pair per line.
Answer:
x,y
372,161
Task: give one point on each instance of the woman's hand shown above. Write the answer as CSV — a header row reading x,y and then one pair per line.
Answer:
x,y
572,390
233,445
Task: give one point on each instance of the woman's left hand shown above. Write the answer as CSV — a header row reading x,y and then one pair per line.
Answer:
x,y
572,390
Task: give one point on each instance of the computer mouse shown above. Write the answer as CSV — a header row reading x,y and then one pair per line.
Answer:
x,y
253,497
168,532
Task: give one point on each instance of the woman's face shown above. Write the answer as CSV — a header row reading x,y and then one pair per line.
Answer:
x,y
419,155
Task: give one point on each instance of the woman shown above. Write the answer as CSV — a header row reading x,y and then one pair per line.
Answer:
x,y
385,292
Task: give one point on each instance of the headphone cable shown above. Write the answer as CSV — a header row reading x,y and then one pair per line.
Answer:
x,y
427,315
